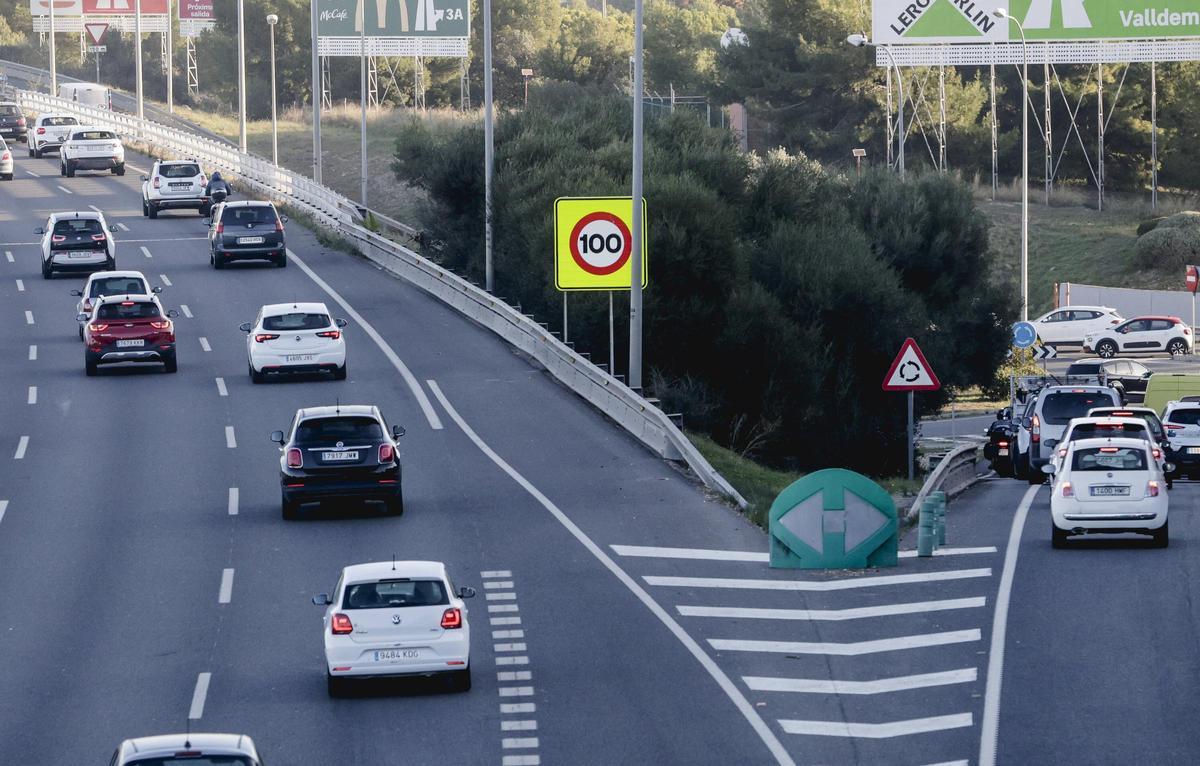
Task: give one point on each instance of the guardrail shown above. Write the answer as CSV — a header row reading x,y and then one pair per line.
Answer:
x,y
952,475
631,411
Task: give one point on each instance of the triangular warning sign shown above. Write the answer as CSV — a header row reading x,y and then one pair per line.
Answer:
x,y
96,31
910,371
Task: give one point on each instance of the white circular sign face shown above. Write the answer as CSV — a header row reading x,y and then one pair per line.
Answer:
x,y
600,243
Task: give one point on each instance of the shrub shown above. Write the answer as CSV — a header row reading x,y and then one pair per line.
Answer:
x,y
1168,249
1020,362
1149,224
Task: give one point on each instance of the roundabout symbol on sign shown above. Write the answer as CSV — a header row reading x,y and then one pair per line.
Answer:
x,y
601,243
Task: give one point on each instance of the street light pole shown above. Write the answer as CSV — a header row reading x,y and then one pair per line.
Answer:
x,y
53,57
635,256
241,14
1001,13
317,95
859,40
489,156
170,37
272,20
362,133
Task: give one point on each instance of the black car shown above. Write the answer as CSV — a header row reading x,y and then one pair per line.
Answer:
x,y
12,122
1001,444
339,452
1128,376
246,230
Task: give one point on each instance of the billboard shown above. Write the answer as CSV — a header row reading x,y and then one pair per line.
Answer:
x,y
195,16
393,27
71,15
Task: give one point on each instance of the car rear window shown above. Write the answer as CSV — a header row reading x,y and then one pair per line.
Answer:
x,y
339,428
240,216
1109,459
387,594
60,121
204,760
1152,421
1061,408
179,171
1189,416
117,286
1101,430
1084,368
8,110
297,321
78,226
128,310
93,135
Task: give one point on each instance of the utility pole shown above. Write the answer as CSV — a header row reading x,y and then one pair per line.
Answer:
x,y
635,282
241,14
170,33
489,157
317,95
137,46
53,57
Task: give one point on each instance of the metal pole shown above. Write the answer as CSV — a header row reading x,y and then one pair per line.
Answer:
x,y
241,18
1024,173
1154,152
170,34
317,95
1100,134
612,344
942,118
635,280
53,57
890,131
900,111
564,317
362,94
489,158
272,20
1049,133
910,436
995,149
137,47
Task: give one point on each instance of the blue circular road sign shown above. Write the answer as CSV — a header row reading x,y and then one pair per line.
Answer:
x,y
1024,335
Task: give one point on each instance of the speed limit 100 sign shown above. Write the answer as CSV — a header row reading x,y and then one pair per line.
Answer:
x,y
593,242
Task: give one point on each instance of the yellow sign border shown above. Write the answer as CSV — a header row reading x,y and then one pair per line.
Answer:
x,y
559,236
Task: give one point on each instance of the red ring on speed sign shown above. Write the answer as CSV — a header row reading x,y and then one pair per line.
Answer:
x,y
581,258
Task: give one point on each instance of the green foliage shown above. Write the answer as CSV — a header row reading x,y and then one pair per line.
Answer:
x,y
1019,362
1169,249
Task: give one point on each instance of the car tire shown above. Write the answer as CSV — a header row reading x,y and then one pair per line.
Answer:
x,y
217,263
90,368
1177,347
81,332
340,373
47,271
289,509
336,687
151,210
281,261
1106,349
119,170
1020,467
145,209
32,153
1058,537
37,153
8,176
171,364
1162,536
460,680
395,505
70,169
256,376
1035,476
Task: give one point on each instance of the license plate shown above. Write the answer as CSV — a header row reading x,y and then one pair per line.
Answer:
x,y
249,240
332,456
131,343
392,655
1002,451
299,358
1110,491
80,255
1193,450
180,186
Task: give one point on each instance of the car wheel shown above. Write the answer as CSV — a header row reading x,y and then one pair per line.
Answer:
x,y
90,368
1162,536
337,687
70,172
47,272
152,210
289,509
171,364
31,152
110,264
460,680
81,332
8,176
37,153
340,373
145,209
119,170
1177,347
1020,467
281,261
1035,476
217,263
1106,349
256,376
395,505
1058,537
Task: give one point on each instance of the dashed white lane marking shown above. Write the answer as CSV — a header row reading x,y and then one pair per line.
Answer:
x,y
35,175
22,445
230,438
422,399
514,675
493,608
32,398
521,760
146,252
512,660
518,725
8,256
221,387
513,708
498,585
879,686
495,573
990,728
831,615
28,317
877,730
963,762
3,508
706,554
502,634
850,648
493,621
500,596
517,647
198,696
814,585
518,743
93,207
20,285
226,593
122,226
164,280
765,733
233,501
204,344
33,353
65,189
186,311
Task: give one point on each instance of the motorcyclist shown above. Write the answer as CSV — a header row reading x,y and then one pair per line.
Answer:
x,y
217,183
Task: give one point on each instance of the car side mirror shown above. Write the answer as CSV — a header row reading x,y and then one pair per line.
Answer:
x,y
145,178
277,437
283,218
466,591
77,292
81,317
206,221
39,230
172,314
1027,423
156,290
398,431
321,599
1048,469
341,322
245,327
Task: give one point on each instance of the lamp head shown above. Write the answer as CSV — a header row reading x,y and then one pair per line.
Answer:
x,y
857,40
272,19
1001,13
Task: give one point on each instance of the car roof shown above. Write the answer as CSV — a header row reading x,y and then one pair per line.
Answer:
x,y
249,203
105,274
335,410
1116,441
132,297
1096,419
1081,306
1074,389
278,309
168,744
383,570
87,215
1176,404
1155,316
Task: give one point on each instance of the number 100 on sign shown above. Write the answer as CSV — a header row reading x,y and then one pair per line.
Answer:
x,y
593,243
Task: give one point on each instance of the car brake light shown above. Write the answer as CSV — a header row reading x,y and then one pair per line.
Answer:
x,y
203,180
1067,490
1173,427
335,334
341,625
98,237
295,458
387,453
157,182
1002,444
1035,429
1121,414
6,156
278,225
1109,450
1187,331
1157,453
452,618
127,303
161,325
41,131
220,228
58,238
20,121
98,327
262,336
1152,488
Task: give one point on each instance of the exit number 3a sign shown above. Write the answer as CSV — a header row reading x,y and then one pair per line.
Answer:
x,y
593,243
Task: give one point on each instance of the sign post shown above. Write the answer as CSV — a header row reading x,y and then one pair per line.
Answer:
x,y
910,372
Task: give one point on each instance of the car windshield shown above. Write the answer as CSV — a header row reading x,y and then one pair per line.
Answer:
x,y
240,216
1060,408
128,310
1100,430
1185,417
297,321
117,286
189,760
93,135
185,170
395,593
60,121
78,226
339,429
1109,459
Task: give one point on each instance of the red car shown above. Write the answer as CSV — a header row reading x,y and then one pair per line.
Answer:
x,y
128,328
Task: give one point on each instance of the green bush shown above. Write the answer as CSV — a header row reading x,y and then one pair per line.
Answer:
x,y
1020,362
1168,249
1150,224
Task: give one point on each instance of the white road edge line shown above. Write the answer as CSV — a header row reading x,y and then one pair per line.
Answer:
x,y
878,730
414,385
226,594
3,508
221,387
230,438
850,648
233,501
878,686
186,311
831,615
198,696
65,189
22,445
814,585
164,280
707,554
146,252
32,398
204,344
772,742
989,733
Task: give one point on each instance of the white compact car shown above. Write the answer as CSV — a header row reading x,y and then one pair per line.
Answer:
x,y
91,149
6,162
101,283
390,619
185,749
1067,326
1108,486
1142,335
173,184
1182,423
77,241
49,131
295,338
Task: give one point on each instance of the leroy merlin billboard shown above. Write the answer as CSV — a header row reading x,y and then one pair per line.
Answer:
x,y
906,22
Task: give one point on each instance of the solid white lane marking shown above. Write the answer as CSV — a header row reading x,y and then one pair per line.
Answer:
x,y
512,708
233,501
230,439
3,508
28,317
221,387
226,594
9,256
65,189
500,596
512,660
518,725
20,285
495,573
518,647
163,278
426,406
877,730
514,675
815,585
186,311
521,760
504,621
123,227
849,649
33,353
516,691
831,615
498,635
880,686
22,445
146,252
770,740
32,398
708,554
199,695
204,344
518,743
498,585
990,729
93,207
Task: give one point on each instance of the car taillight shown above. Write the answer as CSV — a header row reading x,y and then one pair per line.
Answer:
x,y
21,121
58,238
203,180
1157,453
262,336
1002,443
97,327
1035,429
1152,488
87,304
387,453
1062,452
220,228
161,325
452,618
1173,427
1187,331
6,156
157,182
41,131
1067,489
278,225
335,334
295,458
341,625
98,237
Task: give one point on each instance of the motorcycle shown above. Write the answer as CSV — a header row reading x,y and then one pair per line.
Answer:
x,y
218,196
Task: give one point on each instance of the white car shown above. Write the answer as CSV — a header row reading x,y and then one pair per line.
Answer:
x,y
173,184
396,618
6,162
1054,409
1142,335
186,749
1108,486
1069,325
49,131
77,241
1182,423
103,283
91,149
1103,427
295,338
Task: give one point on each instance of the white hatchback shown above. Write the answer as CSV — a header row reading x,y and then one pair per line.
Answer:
x,y
1069,325
295,338
193,749
392,619
1108,486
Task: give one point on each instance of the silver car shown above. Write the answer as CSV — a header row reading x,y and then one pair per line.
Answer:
x,y
187,750
6,161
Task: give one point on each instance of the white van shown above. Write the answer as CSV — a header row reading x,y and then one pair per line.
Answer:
x,y
86,93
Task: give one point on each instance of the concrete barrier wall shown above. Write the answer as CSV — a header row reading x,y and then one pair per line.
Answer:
x,y
1128,301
